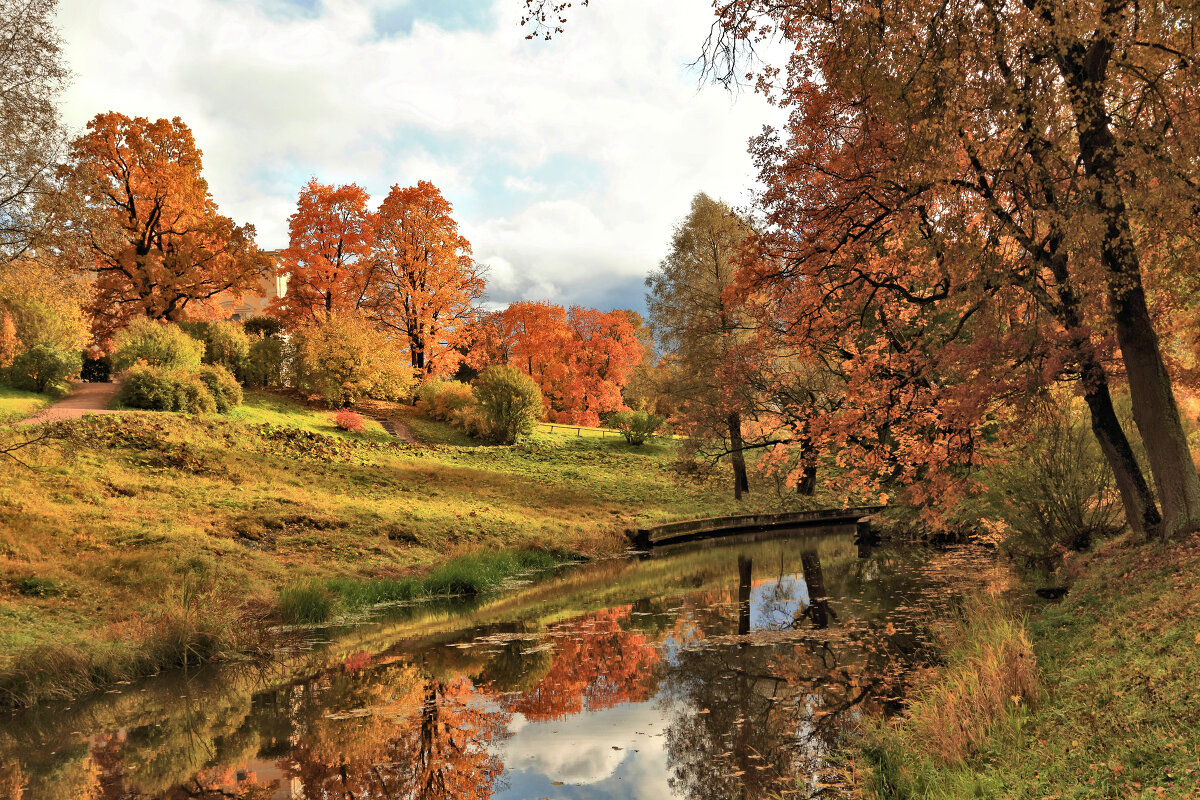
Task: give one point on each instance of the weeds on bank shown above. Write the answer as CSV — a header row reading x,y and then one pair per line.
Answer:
x,y
990,673
194,626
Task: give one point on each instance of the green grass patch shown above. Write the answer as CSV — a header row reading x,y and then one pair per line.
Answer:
x,y
16,404
315,601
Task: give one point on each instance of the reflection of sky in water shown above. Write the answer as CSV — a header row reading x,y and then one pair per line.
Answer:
x,y
776,603
578,750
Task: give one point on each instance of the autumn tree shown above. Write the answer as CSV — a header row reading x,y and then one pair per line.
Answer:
x,y
423,282
31,139
136,211
1025,157
696,320
327,259
581,358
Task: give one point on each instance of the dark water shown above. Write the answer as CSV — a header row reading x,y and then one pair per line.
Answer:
x,y
722,671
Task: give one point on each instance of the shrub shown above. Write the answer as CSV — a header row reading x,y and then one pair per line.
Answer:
x,y
1058,492
157,344
510,402
158,389
263,326
225,344
453,398
266,364
636,426
10,345
224,388
44,367
429,389
343,359
350,421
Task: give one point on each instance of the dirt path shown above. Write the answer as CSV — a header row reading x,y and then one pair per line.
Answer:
x,y
85,398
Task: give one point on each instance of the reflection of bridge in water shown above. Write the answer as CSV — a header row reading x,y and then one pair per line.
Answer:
x,y
714,527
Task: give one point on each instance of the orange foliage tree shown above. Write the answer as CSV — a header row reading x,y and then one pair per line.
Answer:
x,y
581,358
423,282
136,211
328,253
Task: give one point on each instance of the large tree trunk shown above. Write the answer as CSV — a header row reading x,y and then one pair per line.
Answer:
x,y
1154,408
1141,512
741,483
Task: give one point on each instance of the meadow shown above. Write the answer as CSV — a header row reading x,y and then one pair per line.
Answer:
x,y
136,541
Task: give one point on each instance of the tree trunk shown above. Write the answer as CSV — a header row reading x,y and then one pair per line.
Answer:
x,y
1141,512
740,482
1154,408
807,484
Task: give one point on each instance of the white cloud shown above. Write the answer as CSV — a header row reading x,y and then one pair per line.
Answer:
x,y
276,97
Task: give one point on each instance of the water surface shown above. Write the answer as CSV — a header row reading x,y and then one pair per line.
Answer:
x,y
710,671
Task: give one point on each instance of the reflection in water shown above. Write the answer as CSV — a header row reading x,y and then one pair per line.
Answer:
x,y
620,679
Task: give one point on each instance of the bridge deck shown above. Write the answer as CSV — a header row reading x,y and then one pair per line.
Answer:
x,y
724,526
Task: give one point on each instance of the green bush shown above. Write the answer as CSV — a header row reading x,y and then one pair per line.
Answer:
x,y
263,326
510,402
158,389
308,602
429,389
157,344
343,359
266,364
224,388
44,368
636,426
225,344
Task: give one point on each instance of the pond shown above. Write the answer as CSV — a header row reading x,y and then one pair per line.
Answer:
x,y
714,670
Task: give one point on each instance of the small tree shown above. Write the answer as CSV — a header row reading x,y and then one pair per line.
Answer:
x,y
510,402
44,368
343,359
636,426
158,344
225,344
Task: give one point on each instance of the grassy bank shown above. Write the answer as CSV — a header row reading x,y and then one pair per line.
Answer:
x,y
1115,712
125,520
16,404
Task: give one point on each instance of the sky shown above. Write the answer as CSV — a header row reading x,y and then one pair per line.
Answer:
x,y
568,162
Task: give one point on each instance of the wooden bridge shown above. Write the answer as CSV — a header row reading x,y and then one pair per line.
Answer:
x,y
712,527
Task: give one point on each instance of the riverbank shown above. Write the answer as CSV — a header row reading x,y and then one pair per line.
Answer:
x,y
1115,711
138,541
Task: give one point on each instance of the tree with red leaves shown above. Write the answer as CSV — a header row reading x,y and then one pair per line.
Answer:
x,y
424,284
136,211
328,254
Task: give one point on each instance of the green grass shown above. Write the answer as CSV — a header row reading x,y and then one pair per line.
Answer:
x,y
315,601
273,409
1119,711
110,521
16,404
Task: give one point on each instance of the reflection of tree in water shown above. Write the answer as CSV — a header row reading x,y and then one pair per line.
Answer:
x,y
597,664
429,742
745,722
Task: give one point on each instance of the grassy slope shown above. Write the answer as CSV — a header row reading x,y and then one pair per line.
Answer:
x,y
1120,712
142,511
16,404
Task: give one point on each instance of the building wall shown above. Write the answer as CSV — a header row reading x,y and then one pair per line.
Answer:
x,y
272,284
